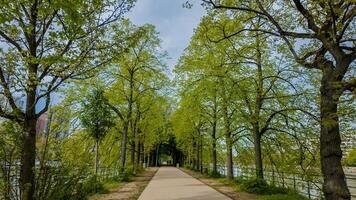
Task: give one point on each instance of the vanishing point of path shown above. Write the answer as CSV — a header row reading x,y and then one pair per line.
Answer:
x,y
170,183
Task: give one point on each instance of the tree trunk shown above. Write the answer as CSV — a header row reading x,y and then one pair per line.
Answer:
x,y
96,165
157,152
258,155
213,137
138,162
334,187
257,111
229,163
149,160
198,156
126,125
227,130
27,174
153,157
201,153
123,148
213,158
133,162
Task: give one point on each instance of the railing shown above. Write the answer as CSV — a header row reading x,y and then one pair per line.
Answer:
x,y
308,186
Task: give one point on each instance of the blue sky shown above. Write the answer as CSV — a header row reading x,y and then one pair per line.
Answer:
x,y
174,23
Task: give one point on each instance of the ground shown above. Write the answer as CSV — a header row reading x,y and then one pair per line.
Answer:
x,y
170,183
130,190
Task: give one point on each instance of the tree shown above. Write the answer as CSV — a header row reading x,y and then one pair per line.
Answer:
x,y
204,72
138,71
96,117
327,28
43,44
9,141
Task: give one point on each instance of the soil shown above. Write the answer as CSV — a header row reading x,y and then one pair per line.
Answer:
x,y
130,190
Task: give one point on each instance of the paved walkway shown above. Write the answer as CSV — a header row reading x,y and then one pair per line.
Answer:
x,y
170,183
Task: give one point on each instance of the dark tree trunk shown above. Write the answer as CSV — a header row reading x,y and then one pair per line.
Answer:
x,y
197,157
334,187
123,148
214,154
96,157
27,174
213,136
126,125
133,148
152,158
229,163
227,130
258,155
201,153
138,162
157,156
96,165
257,111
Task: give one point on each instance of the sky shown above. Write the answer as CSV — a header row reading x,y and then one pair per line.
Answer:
x,y
174,23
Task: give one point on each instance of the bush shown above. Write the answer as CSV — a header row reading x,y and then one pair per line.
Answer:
x,y
258,186
214,175
125,176
351,158
91,186
239,180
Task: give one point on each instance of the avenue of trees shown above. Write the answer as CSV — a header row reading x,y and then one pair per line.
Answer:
x,y
86,95
262,77
109,79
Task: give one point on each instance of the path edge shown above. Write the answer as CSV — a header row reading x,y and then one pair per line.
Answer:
x,y
216,189
141,190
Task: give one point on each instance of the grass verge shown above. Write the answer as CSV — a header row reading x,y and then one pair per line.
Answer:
x,y
260,189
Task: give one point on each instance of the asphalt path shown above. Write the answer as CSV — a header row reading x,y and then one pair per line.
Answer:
x,y
170,183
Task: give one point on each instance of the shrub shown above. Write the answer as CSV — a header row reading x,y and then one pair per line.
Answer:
x,y
92,186
214,175
258,186
125,176
351,158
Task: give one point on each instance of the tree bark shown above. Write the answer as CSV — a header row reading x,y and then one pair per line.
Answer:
x,y
123,148
96,165
258,156
157,155
257,111
334,187
214,160
198,156
126,125
138,165
133,161
201,153
213,136
227,130
27,174
229,164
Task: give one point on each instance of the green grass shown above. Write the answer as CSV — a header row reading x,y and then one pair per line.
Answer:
x,y
261,188
265,191
106,186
